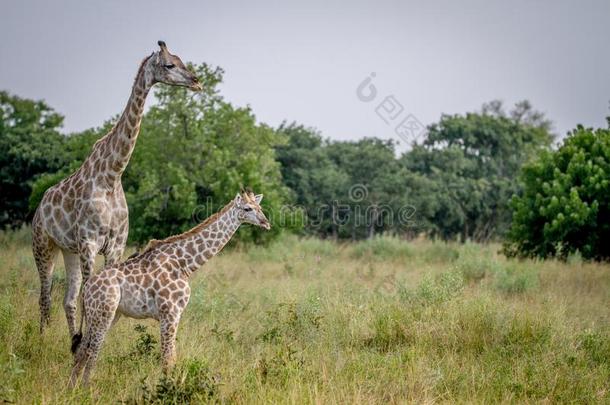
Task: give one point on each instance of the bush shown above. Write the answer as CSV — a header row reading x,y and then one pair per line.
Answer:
x,y
444,287
474,264
191,382
516,278
565,206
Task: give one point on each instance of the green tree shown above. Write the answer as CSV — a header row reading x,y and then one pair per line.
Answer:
x,y
31,146
349,190
375,191
315,181
565,206
471,163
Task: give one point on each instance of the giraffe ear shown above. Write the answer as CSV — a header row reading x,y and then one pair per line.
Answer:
x,y
162,46
258,198
238,199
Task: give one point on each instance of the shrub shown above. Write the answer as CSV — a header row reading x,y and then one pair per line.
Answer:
x,y
516,278
293,321
435,290
565,204
439,252
597,346
473,265
389,330
191,382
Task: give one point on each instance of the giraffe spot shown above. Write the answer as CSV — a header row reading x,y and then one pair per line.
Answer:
x,y
55,198
68,204
190,248
146,280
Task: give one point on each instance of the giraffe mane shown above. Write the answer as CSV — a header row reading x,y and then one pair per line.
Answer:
x,y
154,243
140,69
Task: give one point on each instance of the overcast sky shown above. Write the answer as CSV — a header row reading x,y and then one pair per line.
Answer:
x,y
304,61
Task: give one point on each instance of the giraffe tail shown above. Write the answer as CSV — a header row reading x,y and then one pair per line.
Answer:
x,y
76,341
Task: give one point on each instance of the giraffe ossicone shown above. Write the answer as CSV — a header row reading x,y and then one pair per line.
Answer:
x,y
155,283
86,213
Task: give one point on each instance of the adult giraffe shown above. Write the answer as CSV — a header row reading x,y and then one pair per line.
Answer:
x,y
86,213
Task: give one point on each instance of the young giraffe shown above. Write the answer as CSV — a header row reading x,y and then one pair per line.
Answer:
x,y
155,283
86,213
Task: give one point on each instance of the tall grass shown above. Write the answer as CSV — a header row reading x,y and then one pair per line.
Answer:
x,y
310,321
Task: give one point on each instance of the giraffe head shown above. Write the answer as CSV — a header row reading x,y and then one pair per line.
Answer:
x,y
249,209
169,69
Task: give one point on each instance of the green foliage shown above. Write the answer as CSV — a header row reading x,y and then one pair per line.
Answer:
x,y
516,278
31,146
565,205
191,382
597,346
348,190
292,321
390,329
435,290
463,174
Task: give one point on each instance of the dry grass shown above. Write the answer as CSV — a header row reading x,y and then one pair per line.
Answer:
x,y
308,321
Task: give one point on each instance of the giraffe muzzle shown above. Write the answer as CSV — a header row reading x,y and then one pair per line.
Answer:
x,y
196,86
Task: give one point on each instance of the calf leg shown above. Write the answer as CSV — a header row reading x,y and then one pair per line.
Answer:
x,y
169,327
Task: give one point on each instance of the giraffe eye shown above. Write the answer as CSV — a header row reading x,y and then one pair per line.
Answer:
x,y
247,209
170,66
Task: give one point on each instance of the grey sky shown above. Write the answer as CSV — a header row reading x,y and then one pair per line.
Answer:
x,y
303,61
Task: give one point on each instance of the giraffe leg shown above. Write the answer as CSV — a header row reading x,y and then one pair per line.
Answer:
x,y
45,252
169,327
101,315
87,251
74,277
93,351
80,358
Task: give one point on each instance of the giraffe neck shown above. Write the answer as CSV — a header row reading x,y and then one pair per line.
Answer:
x,y
207,239
115,149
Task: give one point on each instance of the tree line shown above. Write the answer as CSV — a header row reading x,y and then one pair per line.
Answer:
x,y
464,181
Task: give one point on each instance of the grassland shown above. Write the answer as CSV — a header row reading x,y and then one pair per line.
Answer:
x,y
308,321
